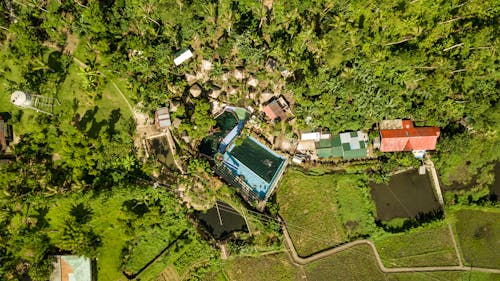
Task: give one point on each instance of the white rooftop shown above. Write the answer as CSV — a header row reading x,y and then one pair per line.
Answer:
x,y
183,57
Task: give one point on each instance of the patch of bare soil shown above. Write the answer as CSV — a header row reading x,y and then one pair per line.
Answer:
x,y
71,43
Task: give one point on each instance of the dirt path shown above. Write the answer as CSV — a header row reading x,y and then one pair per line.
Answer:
x,y
304,261
455,245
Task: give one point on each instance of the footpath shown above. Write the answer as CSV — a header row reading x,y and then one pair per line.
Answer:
x,y
328,252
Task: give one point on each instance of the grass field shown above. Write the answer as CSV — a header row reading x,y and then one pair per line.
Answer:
x,y
270,267
73,101
324,211
356,209
423,247
478,234
308,205
105,218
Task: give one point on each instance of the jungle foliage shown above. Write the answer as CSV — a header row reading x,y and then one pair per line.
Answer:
x,y
352,64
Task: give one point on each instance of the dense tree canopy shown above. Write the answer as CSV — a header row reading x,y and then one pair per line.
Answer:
x,y
351,64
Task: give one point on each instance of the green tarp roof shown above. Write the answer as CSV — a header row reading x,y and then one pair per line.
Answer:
x,y
353,154
327,148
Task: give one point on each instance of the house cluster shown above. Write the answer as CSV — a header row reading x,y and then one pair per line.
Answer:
x,y
348,145
395,135
241,160
252,167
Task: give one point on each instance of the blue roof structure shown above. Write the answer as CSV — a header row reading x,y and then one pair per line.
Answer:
x,y
258,166
231,136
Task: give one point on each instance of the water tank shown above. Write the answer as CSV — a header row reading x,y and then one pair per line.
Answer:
x,y
21,99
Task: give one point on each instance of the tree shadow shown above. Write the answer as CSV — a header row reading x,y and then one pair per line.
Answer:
x,y
6,116
42,222
54,62
87,117
114,117
96,128
75,104
81,213
135,207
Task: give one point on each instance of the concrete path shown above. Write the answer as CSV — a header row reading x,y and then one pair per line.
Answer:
x,y
323,254
430,166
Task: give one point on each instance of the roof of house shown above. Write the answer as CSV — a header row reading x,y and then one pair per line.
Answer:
x,y
162,118
349,145
71,268
274,110
182,56
409,138
315,136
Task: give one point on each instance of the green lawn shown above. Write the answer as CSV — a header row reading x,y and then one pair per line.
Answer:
x,y
429,246
74,101
107,215
324,211
270,267
478,234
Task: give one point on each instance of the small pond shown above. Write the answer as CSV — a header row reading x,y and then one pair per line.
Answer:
x,y
405,196
221,220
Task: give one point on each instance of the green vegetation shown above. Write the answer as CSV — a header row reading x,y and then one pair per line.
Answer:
x,y
308,206
356,208
424,246
478,232
324,211
76,185
266,267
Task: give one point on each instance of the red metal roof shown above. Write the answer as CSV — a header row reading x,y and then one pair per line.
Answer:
x,y
409,138
269,112
273,110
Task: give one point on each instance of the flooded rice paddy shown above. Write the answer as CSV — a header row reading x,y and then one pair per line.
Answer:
x,y
221,220
405,196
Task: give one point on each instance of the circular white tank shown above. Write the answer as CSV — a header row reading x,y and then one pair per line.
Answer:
x,y
20,99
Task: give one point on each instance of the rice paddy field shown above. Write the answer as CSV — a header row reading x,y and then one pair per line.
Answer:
x,y
425,246
324,211
478,234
